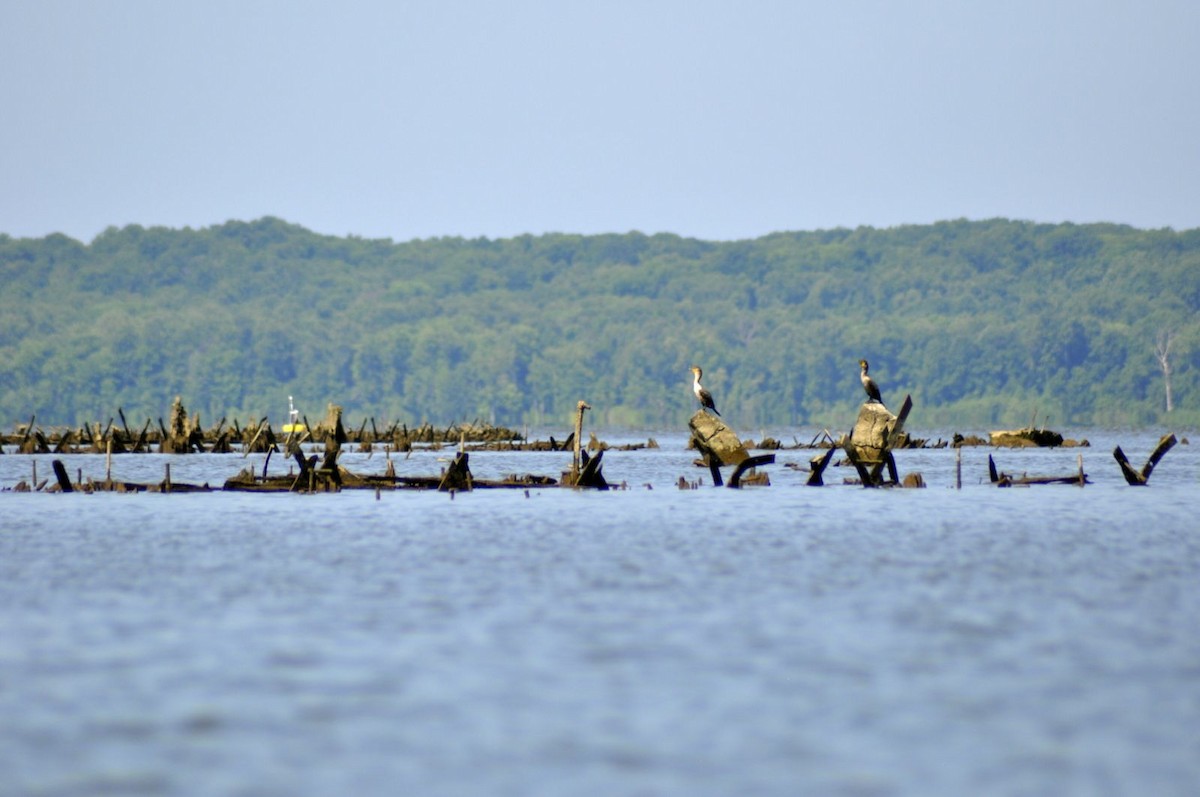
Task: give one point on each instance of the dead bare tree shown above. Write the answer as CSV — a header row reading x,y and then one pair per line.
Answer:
x,y
1162,352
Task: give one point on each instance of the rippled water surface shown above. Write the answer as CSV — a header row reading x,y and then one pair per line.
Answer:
x,y
773,640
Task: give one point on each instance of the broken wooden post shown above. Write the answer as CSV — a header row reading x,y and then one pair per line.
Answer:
x,y
710,458
817,466
60,473
585,471
864,473
1139,479
576,462
304,480
457,475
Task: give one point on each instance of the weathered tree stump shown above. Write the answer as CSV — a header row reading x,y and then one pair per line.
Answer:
x,y
713,438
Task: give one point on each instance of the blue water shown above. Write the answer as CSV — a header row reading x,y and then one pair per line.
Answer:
x,y
648,641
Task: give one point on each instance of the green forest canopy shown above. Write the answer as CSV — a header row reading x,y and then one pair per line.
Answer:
x,y
982,322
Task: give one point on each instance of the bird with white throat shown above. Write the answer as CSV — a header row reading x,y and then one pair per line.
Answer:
x,y
702,395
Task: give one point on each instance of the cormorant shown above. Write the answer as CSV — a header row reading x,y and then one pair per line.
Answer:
x,y
702,395
869,384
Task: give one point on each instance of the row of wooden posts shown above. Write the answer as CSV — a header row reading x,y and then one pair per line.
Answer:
x,y
868,448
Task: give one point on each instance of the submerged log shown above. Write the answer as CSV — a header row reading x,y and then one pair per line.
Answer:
x,y
1140,478
1001,479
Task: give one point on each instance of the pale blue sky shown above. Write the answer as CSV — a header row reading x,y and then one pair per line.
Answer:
x,y
719,120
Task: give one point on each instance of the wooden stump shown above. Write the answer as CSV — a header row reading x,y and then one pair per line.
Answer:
x,y
875,433
458,476
712,437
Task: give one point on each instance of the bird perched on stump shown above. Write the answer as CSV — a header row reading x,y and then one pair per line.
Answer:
x,y
702,395
868,383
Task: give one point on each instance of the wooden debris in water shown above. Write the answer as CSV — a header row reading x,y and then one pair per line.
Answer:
x,y
869,446
1001,479
1140,478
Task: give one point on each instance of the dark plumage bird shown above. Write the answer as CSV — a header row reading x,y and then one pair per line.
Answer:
x,y
702,395
868,383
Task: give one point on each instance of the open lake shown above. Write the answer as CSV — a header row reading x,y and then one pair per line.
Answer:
x,y
776,640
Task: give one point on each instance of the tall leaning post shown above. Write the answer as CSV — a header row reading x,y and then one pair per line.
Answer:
x,y
577,452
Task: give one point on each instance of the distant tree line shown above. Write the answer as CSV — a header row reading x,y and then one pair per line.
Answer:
x,y
983,322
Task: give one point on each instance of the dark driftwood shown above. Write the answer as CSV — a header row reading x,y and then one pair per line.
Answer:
x,y
735,481
710,458
1140,478
592,476
817,468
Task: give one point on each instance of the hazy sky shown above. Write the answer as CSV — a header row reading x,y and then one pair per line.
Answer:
x,y
720,120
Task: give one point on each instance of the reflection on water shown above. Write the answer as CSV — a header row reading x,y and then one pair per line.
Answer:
x,y
777,640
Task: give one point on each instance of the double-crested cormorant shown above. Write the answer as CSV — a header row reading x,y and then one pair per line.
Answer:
x,y
702,394
868,383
